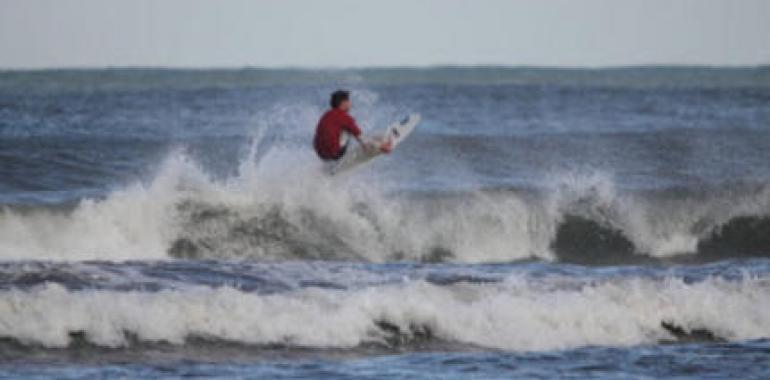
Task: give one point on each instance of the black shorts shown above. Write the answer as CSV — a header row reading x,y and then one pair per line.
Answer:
x,y
341,153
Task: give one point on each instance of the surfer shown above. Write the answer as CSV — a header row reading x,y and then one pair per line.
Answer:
x,y
335,127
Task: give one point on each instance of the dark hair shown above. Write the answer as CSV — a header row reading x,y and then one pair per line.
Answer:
x,y
338,97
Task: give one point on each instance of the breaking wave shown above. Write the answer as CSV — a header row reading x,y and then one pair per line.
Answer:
x,y
512,314
280,205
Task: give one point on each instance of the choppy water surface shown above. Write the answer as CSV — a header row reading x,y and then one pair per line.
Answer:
x,y
539,223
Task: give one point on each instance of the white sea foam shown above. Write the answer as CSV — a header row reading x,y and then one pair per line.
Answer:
x,y
656,226
144,220
286,190
514,315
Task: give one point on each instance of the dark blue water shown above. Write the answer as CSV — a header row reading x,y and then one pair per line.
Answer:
x,y
539,223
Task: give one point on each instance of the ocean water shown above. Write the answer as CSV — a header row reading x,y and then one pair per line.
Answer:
x,y
539,223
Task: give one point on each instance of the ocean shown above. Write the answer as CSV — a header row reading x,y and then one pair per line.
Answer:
x,y
538,223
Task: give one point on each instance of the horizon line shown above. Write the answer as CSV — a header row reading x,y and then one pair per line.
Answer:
x,y
384,67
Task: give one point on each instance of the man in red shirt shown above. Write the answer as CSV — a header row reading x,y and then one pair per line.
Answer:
x,y
331,135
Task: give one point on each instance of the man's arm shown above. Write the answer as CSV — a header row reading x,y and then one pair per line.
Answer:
x,y
354,130
369,145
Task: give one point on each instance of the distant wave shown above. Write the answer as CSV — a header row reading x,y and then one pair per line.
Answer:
x,y
137,79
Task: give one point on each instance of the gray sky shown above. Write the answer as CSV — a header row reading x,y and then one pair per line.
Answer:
x,y
344,33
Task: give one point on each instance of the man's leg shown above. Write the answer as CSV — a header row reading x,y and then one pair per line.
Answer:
x,y
342,152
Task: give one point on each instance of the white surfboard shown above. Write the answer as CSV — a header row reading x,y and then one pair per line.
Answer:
x,y
356,155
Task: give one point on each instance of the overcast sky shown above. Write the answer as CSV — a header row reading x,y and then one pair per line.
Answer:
x,y
345,33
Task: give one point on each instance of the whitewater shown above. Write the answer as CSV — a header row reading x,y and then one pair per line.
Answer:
x,y
508,313
286,207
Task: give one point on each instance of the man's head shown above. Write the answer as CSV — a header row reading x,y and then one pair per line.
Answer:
x,y
340,99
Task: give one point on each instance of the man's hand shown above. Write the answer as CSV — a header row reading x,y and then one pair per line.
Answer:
x,y
387,146
376,145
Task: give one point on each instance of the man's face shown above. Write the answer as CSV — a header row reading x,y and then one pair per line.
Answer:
x,y
346,105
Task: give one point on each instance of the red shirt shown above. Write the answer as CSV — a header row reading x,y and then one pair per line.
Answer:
x,y
329,132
